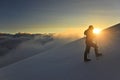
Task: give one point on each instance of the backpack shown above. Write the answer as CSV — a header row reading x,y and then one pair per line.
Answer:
x,y
85,33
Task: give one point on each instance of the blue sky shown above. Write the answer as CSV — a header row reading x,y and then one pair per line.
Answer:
x,y
56,15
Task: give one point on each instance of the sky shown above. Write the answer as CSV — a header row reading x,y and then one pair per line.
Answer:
x,y
46,16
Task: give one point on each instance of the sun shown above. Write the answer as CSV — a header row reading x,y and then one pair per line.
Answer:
x,y
96,31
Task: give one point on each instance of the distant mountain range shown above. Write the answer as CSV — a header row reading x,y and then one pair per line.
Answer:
x,y
11,41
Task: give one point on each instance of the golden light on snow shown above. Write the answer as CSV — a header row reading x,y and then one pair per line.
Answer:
x,y
96,31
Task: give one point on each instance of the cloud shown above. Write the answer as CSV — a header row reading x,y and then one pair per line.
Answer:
x,y
70,34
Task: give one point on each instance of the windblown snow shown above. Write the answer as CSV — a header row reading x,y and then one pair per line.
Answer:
x,y
66,62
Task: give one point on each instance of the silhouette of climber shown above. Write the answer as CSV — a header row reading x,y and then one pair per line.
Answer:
x,y
89,43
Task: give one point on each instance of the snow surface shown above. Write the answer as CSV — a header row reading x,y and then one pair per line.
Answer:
x,y
66,63
27,49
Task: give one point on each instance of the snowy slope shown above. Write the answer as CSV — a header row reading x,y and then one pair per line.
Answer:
x,y
27,49
66,63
